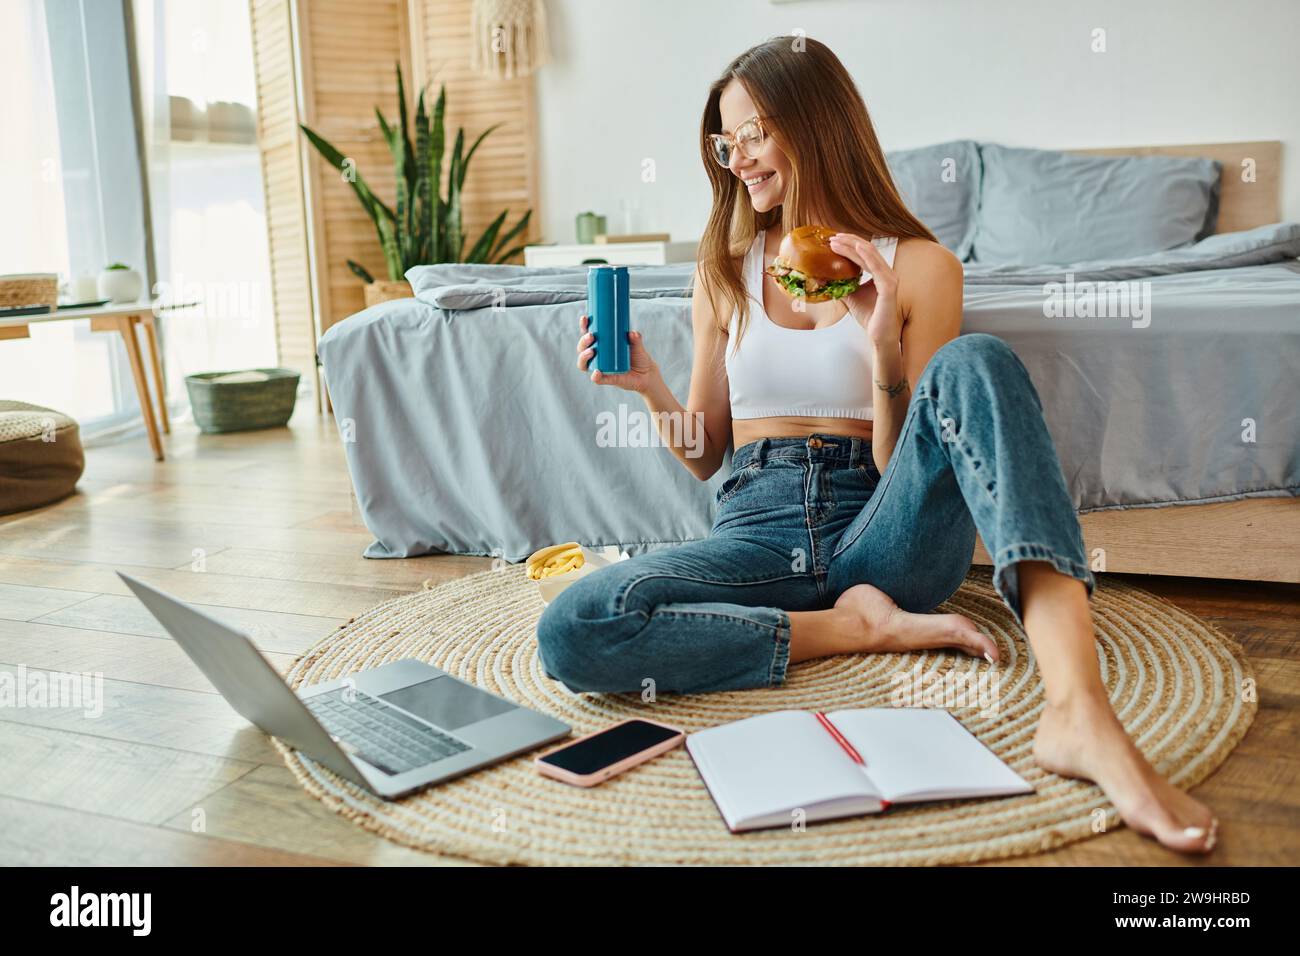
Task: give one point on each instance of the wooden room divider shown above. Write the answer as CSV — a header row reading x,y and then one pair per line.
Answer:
x,y
328,64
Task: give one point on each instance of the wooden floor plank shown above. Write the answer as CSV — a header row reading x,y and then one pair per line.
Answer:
x,y
130,657
238,509
69,539
406,575
34,833
115,778
200,721
268,808
24,603
124,614
33,536
224,590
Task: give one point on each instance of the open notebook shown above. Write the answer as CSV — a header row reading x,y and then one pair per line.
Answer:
x,y
763,769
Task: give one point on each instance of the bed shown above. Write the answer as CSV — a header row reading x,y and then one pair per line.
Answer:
x,y
470,431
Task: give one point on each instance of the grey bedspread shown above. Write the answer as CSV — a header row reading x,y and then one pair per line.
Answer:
x,y
1170,379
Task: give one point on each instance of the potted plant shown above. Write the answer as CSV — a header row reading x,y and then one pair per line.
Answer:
x,y
119,283
423,226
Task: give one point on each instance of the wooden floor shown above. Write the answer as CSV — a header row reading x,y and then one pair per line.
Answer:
x,y
261,527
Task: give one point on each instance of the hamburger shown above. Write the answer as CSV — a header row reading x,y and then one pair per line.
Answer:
x,y
807,268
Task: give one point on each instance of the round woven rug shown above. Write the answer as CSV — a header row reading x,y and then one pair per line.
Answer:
x,y
1175,681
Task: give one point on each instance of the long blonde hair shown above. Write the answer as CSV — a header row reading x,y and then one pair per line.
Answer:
x,y
811,105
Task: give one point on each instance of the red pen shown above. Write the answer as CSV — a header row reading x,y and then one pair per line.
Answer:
x,y
848,747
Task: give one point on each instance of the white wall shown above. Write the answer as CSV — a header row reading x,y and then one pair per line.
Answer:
x,y
630,76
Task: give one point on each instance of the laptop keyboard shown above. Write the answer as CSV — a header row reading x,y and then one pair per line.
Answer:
x,y
382,735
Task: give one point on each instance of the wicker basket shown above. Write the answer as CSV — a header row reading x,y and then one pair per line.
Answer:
x,y
241,406
21,291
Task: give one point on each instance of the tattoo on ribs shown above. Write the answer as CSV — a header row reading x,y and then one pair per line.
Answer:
x,y
893,391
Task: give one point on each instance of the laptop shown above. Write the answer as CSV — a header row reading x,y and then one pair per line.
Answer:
x,y
392,729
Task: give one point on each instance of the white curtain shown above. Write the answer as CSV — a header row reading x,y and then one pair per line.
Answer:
x,y
33,194
198,95
63,364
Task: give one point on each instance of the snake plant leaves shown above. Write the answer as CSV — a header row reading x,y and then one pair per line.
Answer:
x,y
425,226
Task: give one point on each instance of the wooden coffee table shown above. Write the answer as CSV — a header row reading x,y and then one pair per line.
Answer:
x,y
122,319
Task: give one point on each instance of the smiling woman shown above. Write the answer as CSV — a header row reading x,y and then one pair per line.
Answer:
x,y
782,167
871,444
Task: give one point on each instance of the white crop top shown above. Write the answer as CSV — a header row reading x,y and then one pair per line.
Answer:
x,y
815,373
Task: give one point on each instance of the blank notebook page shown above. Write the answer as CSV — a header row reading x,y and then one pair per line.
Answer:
x,y
776,762
911,752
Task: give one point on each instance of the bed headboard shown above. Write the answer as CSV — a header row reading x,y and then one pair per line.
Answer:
x,y
1242,204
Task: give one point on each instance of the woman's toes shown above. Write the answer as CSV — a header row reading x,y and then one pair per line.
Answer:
x,y
1197,833
881,625
1088,741
1177,819
1205,837
1191,839
1173,818
969,638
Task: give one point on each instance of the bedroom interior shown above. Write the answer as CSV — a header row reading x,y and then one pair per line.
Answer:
x,y
342,248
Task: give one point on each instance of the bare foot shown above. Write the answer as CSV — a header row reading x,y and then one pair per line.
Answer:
x,y
1086,739
874,623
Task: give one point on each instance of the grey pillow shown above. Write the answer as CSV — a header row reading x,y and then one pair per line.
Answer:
x,y
941,185
1042,206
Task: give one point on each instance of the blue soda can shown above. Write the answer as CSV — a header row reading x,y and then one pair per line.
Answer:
x,y
609,317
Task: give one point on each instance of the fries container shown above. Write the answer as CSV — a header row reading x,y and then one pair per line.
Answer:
x,y
593,559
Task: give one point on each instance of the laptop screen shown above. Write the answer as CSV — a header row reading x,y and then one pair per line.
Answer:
x,y
447,703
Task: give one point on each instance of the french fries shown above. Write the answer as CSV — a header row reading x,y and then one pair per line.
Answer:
x,y
556,560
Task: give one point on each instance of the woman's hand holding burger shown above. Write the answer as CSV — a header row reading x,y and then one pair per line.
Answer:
x,y
815,264
884,323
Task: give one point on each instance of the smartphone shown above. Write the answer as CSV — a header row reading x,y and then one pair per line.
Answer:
x,y
596,757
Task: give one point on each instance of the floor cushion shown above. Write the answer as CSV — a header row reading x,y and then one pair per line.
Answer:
x,y
40,456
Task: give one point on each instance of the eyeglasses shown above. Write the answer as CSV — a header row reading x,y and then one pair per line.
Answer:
x,y
748,138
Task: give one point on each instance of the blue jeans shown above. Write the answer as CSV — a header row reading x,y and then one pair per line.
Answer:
x,y
801,520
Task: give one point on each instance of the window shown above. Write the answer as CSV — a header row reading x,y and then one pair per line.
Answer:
x,y
75,200
52,214
206,181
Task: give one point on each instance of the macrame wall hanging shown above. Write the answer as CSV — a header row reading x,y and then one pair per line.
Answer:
x,y
508,37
